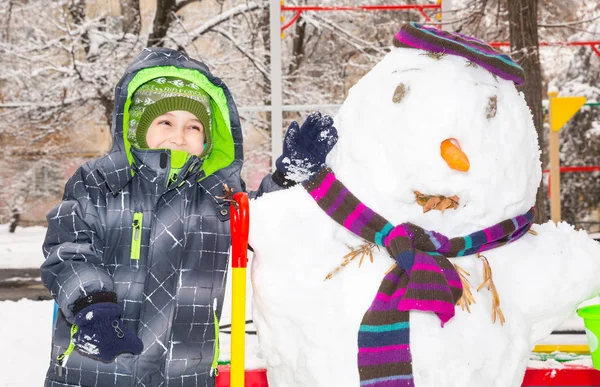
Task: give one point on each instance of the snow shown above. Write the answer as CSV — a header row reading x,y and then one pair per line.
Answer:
x,y
386,151
25,336
21,249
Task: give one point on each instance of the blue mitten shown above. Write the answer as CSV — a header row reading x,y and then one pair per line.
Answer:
x,y
102,334
306,147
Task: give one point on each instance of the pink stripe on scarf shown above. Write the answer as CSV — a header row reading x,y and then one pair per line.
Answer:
x,y
444,310
354,215
382,349
398,293
320,192
426,267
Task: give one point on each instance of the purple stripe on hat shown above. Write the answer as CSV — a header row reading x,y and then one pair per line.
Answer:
x,y
338,201
425,45
396,355
487,50
479,45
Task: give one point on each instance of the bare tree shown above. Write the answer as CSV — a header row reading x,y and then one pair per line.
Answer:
x,y
524,42
163,17
131,18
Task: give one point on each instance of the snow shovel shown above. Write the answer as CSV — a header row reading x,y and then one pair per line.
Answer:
x,y
239,224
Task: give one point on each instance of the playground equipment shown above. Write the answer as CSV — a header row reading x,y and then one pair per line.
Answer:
x,y
561,110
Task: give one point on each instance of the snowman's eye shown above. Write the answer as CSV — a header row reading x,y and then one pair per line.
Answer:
x,y
492,107
400,93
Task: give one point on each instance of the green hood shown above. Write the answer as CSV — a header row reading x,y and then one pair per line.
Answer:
x,y
162,62
222,152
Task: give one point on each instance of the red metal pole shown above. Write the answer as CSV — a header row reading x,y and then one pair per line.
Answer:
x,y
588,168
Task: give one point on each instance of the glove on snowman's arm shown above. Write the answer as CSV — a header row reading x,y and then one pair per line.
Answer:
x,y
305,149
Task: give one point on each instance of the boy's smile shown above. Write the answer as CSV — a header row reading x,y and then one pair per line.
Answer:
x,y
178,130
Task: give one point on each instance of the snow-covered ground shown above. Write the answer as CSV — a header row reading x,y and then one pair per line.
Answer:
x,y
21,249
26,325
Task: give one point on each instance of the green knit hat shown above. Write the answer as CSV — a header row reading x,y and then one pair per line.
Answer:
x,y
161,95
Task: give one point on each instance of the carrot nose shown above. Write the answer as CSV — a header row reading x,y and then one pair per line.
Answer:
x,y
454,156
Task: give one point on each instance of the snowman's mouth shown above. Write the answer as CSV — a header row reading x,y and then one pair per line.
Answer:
x,y
436,202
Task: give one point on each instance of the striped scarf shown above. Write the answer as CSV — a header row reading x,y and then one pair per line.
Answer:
x,y
423,278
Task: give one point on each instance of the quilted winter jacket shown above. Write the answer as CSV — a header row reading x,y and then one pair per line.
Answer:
x,y
160,243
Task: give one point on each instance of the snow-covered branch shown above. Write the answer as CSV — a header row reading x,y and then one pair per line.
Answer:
x,y
187,39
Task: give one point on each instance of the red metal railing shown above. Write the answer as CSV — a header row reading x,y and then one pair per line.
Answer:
x,y
588,168
594,44
405,7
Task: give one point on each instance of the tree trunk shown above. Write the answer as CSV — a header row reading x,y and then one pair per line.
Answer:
x,y
132,20
298,46
522,16
163,18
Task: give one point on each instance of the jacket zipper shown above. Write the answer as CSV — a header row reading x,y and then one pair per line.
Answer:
x,y
214,371
70,348
136,235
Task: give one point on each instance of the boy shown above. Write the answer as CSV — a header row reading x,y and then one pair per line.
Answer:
x,y
137,251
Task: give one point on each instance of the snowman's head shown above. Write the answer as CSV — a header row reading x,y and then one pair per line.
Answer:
x,y
395,120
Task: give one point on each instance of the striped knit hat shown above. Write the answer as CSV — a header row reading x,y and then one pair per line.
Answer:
x,y
161,95
414,35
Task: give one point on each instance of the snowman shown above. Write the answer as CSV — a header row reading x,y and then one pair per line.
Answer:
x,y
411,259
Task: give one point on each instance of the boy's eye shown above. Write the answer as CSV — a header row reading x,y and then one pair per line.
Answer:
x,y
196,127
164,122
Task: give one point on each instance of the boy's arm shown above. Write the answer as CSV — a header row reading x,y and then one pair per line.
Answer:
x,y
73,270
272,182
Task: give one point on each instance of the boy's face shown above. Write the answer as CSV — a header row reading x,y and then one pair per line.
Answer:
x,y
178,130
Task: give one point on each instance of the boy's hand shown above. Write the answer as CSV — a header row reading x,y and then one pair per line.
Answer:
x,y
102,334
306,147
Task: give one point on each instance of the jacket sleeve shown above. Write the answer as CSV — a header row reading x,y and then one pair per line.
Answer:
x,y
73,269
272,182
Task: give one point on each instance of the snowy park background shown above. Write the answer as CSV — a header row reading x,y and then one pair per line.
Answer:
x,y
61,60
